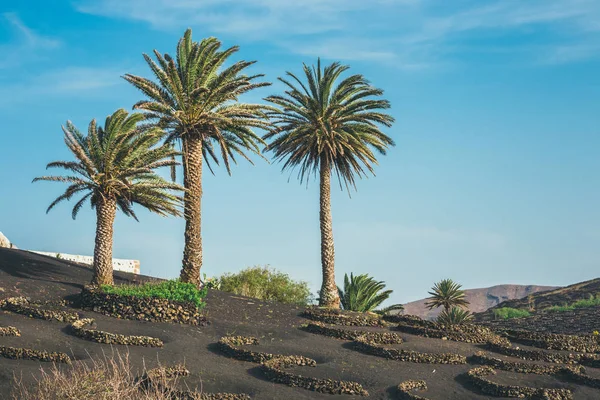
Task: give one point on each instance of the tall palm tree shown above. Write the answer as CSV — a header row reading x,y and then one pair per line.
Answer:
x,y
196,101
363,293
114,167
448,294
327,125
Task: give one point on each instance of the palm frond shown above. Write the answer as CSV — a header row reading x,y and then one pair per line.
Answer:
x,y
118,161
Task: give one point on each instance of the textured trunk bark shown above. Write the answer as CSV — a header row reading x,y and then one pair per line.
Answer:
x,y
106,210
192,181
329,293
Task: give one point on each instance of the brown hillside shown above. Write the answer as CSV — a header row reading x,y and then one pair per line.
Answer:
x,y
560,296
479,299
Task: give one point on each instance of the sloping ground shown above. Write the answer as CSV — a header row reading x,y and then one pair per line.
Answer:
x,y
275,325
560,296
578,321
479,299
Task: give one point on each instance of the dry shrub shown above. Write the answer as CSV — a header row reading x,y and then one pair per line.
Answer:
x,y
109,378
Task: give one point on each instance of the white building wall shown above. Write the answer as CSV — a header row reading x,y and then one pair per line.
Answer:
x,y
132,266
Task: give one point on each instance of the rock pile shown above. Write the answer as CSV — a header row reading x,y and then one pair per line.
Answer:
x,y
79,329
274,370
157,377
339,317
273,366
550,341
21,305
343,334
478,377
18,353
366,345
406,387
468,333
9,331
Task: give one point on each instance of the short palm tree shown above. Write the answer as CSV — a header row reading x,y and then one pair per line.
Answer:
x,y
196,101
114,167
447,294
363,293
328,126
454,316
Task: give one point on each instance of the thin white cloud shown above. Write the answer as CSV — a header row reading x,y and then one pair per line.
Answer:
x,y
27,44
70,81
412,34
30,37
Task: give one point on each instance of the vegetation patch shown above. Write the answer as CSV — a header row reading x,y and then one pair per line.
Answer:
x,y
20,305
79,329
553,341
592,301
18,353
406,387
112,378
510,313
170,290
274,370
478,377
9,331
343,334
267,284
152,309
367,345
338,317
364,294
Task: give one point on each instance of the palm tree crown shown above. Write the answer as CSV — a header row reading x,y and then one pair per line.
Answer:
x,y
194,96
195,100
363,293
447,294
327,125
321,123
114,167
117,161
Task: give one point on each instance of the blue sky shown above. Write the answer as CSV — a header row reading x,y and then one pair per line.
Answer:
x,y
495,177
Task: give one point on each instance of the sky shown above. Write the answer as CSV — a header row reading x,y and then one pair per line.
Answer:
x,y
495,177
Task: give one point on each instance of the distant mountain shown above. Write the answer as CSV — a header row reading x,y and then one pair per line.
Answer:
x,y
557,296
479,299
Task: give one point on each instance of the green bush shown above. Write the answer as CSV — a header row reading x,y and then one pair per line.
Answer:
x,y
509,313
583,303
171,290
265,283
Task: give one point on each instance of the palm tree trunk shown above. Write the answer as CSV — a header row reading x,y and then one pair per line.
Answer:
x,y
192,181
106,210
329,296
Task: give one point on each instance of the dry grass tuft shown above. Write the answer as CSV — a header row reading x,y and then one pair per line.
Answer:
x,y
109,378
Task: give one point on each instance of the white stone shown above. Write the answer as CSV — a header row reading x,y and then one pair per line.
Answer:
x,y
4,242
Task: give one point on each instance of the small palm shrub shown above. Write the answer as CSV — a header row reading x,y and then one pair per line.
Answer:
x,y
265,283
454,316
447,294
171,290
363,293
510,313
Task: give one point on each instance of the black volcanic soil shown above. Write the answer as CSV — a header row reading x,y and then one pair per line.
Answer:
x,y
276,325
